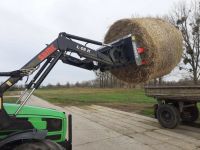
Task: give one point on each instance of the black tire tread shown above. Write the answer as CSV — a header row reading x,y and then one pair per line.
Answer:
x,y
39,145
175,113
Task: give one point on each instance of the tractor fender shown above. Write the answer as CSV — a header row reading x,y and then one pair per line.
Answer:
x,y
31,134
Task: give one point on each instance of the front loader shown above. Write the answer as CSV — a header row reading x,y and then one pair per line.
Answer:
x,y
29,127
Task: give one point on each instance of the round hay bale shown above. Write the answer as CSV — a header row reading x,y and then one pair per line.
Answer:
x,y
162,43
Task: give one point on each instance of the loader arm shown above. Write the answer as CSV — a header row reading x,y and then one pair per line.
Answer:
x,y
56,49
108,56
116,54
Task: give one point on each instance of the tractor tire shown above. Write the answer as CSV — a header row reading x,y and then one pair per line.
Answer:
x,y
168,116
155,110
190,114
39,145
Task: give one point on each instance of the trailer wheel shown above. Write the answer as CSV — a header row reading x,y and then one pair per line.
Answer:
x,y
155,110
168,116
39,145
190,114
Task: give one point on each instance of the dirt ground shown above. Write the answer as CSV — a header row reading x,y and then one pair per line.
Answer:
x,y
134,107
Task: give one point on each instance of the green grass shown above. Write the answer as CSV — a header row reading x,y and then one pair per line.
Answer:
x,y
123,99
92,96
198,105
147,112
12,93
10,99
128,99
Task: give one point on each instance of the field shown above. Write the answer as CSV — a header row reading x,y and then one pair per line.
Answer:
x,y
131,100
10,96
123,99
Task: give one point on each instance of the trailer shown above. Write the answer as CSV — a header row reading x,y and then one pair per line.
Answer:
x,y
175,104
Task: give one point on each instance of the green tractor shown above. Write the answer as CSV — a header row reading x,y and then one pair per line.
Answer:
x,y
35,128
50,129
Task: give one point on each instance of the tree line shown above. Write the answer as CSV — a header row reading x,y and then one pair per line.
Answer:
x,y
102,80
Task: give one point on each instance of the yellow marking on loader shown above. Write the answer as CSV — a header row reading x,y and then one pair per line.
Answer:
x,y
9,83
133,38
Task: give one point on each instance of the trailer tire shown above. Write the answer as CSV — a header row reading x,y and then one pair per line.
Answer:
x,y
168,116
39,145
155,110
190,114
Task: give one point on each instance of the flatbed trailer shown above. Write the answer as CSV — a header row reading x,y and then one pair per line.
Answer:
x,y
175,104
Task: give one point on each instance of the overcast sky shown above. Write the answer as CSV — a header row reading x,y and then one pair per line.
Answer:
x,y
27,25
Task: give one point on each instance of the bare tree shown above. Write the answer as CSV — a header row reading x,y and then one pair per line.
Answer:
x,y
107,80
186,17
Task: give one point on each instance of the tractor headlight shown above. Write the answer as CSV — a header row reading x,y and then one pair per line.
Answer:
x,y
53,124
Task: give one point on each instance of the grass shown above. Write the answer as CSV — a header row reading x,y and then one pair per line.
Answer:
x,y
92,96
124,99
10,99
12,93
133,100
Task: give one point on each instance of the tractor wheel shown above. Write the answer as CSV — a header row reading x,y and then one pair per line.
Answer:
x,y
168,116
39,145
190,114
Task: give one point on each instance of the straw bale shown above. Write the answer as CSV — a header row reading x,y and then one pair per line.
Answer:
x,y
162,43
